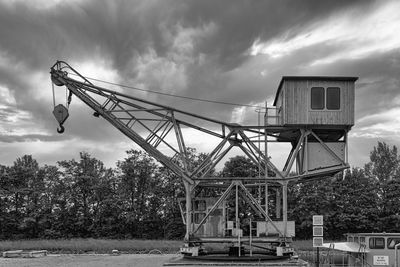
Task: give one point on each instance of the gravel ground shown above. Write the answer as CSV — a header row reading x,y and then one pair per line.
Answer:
x,y
69,260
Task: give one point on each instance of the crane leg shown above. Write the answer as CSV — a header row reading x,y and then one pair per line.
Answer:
x,y
188,193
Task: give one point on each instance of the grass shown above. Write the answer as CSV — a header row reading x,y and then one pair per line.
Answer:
x,y
100,246
90,245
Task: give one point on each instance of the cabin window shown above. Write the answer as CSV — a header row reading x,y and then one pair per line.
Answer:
x,y
350,239
333,98
317,98
377,242
362,239
392,242
356,239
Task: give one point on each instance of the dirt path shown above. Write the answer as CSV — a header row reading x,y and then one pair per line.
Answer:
x,y
67,260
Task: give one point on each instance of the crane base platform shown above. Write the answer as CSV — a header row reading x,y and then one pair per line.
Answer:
x,y
258,260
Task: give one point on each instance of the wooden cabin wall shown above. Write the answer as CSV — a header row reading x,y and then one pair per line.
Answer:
x,y
297,104
349,102
280,106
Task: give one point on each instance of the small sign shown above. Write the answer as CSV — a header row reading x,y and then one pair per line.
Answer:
x,y
381,260
318,242
318,231
318,220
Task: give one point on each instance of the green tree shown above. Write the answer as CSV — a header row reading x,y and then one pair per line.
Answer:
x,y
240,166
354,202
107,206
312,198
7,222
21,179
390,222
55,202
384,163
172,191
81,178
138,186
384,169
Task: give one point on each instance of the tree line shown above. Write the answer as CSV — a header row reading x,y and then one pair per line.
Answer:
x,y
138,198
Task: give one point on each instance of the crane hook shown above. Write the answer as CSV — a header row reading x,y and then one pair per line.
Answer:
x,y
61,129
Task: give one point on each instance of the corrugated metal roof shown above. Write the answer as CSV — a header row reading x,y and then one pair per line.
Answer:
x,y
311,78
346,246
373,234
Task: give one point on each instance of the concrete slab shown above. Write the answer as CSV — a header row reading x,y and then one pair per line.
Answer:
x,y
24,254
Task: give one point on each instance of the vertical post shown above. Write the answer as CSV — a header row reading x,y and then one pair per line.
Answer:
x,y
237,215
305,160
251,239
298,162
317,262
266,198
266,139
363,256
188,193
224,218
259,143
346,160
278,203
284,207
346,150
266,157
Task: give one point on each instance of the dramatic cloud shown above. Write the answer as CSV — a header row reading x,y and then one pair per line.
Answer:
x,y
231,51
347,34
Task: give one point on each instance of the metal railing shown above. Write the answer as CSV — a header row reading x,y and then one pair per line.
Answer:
x,y
335,259
273,116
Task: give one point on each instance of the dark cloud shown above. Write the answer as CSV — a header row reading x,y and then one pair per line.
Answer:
x,y
120,30
240,23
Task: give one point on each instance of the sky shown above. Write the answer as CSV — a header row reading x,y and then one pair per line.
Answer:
x,y
226,50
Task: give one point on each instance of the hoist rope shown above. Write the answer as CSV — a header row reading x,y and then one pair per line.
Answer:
x,y
66,97
54,95
171,95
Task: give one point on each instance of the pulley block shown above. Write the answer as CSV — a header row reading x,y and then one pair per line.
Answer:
x,y
61,114
54,78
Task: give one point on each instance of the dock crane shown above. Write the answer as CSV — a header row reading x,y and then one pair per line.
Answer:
x,y
159,130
